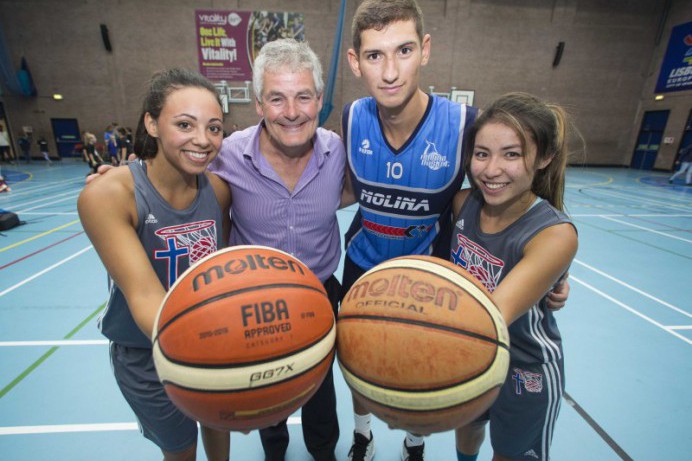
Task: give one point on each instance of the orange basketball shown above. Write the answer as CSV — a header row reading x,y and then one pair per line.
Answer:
x,y
421,344
244,338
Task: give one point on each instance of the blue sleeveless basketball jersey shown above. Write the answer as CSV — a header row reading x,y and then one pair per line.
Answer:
x,y
404,195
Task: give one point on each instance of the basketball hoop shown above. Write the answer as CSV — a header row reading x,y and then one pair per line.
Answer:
x,y
198,237
485,267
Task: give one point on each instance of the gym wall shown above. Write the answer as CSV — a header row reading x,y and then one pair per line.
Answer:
x,y
605,76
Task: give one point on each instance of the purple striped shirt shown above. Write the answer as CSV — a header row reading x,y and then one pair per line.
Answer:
x,y
302,223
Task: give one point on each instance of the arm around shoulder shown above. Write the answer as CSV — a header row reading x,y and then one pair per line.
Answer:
x,y
348,197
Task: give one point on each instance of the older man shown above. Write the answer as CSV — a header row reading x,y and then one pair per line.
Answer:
x,y
286,177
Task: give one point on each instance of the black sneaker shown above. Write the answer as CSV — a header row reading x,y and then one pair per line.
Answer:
x,y
413,453
363,449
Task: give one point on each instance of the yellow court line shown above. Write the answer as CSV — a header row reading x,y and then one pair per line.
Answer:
x,y
38,236
29,176
610,180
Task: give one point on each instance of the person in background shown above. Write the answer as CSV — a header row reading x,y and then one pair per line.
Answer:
x,y
25,145
110,140
5,152
43,149
89,152
4,187
123,145
685,161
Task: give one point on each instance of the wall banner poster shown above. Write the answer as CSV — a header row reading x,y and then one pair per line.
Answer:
x,y
228,41
676,68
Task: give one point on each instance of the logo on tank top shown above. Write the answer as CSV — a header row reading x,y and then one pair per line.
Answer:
x,y
365,147
478,261
432,159
532,453
531,382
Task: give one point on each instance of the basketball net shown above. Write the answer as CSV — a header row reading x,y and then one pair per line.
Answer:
x,y
198,237
485,267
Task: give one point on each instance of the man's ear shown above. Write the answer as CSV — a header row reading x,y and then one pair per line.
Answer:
x,y
425,49
320,98
353,62
151,125
258,107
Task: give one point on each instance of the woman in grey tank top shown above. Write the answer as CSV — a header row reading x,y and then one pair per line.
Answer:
x,y
511,233
127,214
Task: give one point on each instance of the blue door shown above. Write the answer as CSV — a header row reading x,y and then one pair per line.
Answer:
x,y
67,136
649,139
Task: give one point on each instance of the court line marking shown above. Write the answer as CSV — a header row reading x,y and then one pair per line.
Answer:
x,y
29,175
597,427
63,342
55,229
610,179
646,229
48,269
679,327
632,194
47,199
40,251
61,428
48,353
635,289
635,215
51,203
53,213
102,427
640,200
630,309
17,193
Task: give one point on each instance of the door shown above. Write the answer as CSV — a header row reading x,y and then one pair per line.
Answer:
x,y
67,136
649,139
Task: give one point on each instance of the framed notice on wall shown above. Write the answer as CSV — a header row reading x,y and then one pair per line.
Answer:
x,y
228,41
462,96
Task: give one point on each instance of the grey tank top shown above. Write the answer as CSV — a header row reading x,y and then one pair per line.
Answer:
x,y
534,336
173,239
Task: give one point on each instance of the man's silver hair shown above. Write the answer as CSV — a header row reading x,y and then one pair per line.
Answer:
x,y
283,55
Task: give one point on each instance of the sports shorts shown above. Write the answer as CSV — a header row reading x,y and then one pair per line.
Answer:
x,y
522,419
159,419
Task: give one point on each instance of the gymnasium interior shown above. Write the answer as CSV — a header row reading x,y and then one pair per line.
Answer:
x,y
622,69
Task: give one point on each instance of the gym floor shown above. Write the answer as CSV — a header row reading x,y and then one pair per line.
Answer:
x,y
627,330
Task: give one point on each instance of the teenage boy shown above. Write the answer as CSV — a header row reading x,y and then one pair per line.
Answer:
x,y
405,153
